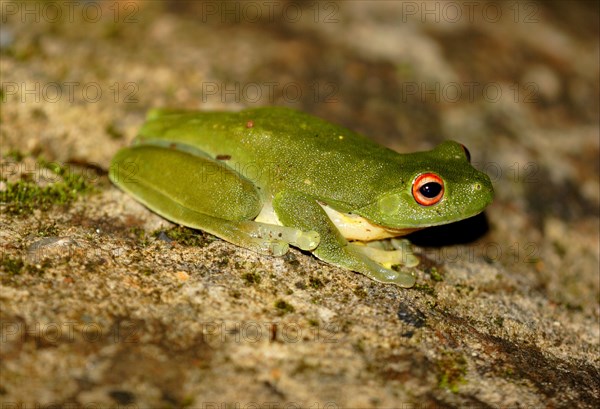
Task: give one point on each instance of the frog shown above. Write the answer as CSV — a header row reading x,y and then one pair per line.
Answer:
x,y
268,178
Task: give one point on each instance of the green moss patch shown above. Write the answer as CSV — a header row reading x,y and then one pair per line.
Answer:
x,y
452,370
284,307
24,196
12,266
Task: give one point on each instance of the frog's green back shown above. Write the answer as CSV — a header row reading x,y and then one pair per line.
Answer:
x,y
282,148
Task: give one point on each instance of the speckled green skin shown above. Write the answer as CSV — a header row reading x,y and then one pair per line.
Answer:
x,y
216,171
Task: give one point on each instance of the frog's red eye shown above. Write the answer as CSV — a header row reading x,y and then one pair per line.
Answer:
x,y
467,153
428,189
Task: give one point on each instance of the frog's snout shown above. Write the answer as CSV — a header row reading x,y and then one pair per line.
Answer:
x,y
484,189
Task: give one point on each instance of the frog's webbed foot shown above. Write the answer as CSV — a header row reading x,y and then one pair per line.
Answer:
x,y
275,240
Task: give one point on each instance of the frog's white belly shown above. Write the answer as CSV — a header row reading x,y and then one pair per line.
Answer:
x,y
351,226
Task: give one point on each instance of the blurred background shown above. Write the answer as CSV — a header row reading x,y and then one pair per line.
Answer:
x,y
516,82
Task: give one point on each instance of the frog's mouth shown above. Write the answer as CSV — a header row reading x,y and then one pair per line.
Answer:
x,y
352,226
355,227
399,232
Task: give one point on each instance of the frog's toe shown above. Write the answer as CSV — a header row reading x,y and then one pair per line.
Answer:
x,y
307,240
410,260
376,264
402,279
279,248
399,278
388,276
274,248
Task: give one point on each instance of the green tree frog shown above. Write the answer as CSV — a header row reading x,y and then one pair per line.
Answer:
x,y
271,177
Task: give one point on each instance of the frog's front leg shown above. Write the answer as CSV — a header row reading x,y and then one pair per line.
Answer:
x,y
302,212
198,192
402,255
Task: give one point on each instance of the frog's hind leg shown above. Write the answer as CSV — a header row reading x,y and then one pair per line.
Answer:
x,y
201,193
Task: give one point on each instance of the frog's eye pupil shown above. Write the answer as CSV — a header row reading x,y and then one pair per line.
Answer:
x,y
431,190
428,189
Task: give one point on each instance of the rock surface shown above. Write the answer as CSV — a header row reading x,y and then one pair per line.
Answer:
x,y
104,303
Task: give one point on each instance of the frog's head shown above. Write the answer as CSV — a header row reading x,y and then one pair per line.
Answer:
x,y
437,187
